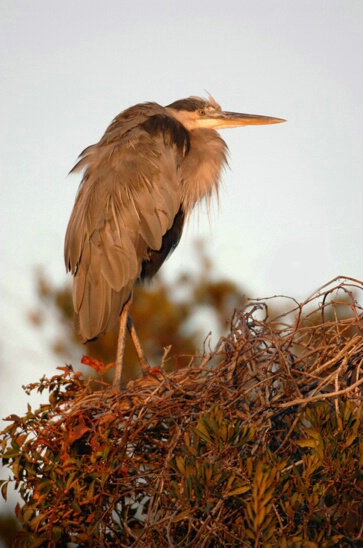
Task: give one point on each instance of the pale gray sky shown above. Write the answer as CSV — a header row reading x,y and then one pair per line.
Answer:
x,y
291,207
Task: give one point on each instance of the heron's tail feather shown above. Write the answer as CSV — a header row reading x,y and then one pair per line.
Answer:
x,y
96,301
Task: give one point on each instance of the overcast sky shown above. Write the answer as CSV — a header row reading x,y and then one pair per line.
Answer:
x,y
291,206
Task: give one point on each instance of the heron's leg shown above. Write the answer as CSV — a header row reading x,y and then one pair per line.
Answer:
x,y
135,339
121,343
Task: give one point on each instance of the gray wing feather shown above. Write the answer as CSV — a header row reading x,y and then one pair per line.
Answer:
x,y
127,200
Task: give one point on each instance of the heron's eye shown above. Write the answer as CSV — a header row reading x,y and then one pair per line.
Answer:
x,y
202,112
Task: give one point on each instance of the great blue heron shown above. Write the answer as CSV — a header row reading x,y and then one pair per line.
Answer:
x,y
141,181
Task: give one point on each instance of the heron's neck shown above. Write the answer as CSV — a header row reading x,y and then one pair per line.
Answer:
x,y
202,166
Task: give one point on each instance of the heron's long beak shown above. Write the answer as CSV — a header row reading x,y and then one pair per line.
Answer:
x,y
235,119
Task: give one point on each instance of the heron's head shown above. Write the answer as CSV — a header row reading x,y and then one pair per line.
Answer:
x,y
197,113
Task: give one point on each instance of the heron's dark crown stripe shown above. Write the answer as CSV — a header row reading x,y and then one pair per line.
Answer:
x,y
190,104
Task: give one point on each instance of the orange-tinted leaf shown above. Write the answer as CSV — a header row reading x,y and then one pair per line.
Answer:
x,y
14,418
97,365
77,432
107,418
20,439
66,370
154,370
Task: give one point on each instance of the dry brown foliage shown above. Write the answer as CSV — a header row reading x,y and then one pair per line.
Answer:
x,y
259,443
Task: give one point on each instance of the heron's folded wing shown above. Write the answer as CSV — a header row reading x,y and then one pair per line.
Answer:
x,y
128,199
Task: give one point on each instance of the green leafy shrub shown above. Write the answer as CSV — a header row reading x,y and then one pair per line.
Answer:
x,y
259,443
